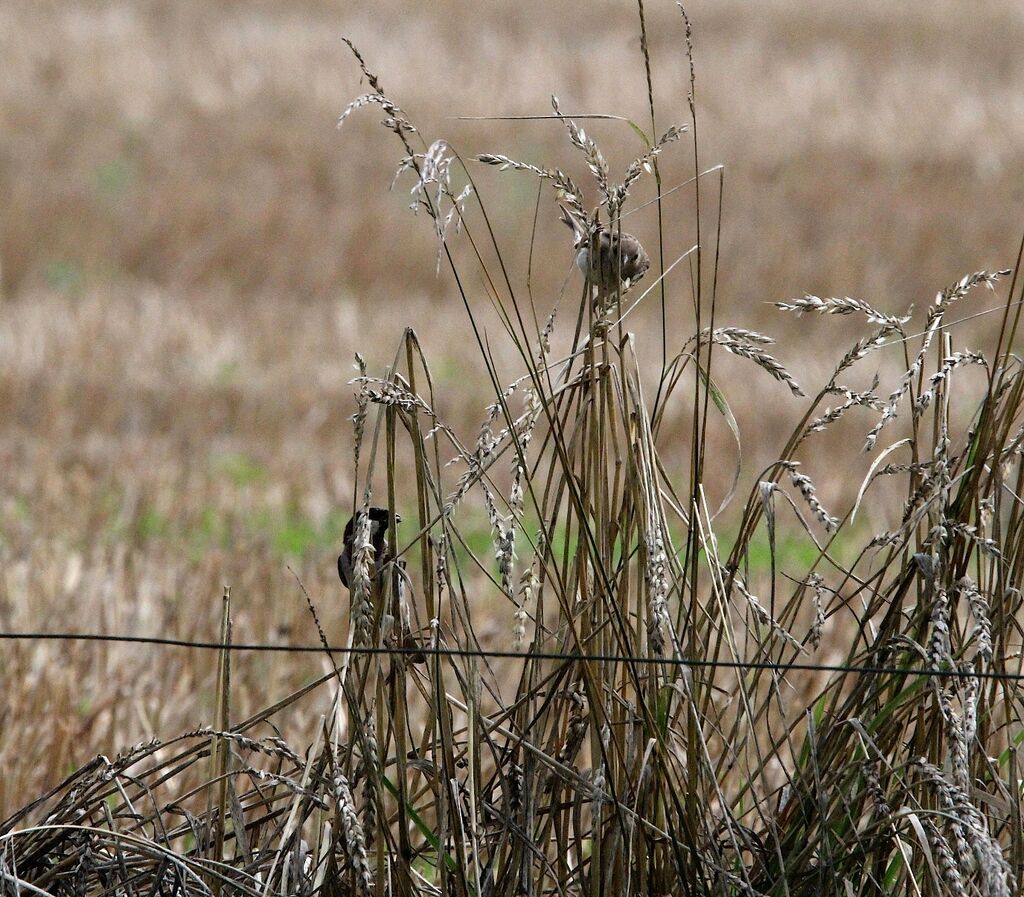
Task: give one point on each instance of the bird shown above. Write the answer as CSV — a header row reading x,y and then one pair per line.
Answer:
x,y
380,521
603,253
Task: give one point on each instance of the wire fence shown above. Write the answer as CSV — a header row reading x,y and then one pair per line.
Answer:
x,y
480,653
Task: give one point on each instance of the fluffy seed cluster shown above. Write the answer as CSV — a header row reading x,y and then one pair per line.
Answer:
x,y
352,839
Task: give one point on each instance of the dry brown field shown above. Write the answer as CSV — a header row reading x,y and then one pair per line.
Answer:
x,y
191,254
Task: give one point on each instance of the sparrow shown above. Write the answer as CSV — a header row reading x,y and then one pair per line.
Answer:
x,y
601,253
380,521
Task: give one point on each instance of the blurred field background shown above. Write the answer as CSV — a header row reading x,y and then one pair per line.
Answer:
x,y
191,254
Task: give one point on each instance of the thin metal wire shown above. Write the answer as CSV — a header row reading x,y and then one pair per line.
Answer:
x,y
427,651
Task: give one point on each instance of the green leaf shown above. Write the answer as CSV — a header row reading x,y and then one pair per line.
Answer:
x,y
718,398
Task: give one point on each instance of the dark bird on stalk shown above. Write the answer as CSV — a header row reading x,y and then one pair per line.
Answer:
x,y
602,253
380,521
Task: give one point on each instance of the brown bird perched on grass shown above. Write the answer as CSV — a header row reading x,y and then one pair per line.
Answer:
x,y
380,521
601,254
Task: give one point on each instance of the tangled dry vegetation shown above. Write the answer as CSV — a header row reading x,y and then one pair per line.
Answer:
x,y
667,716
